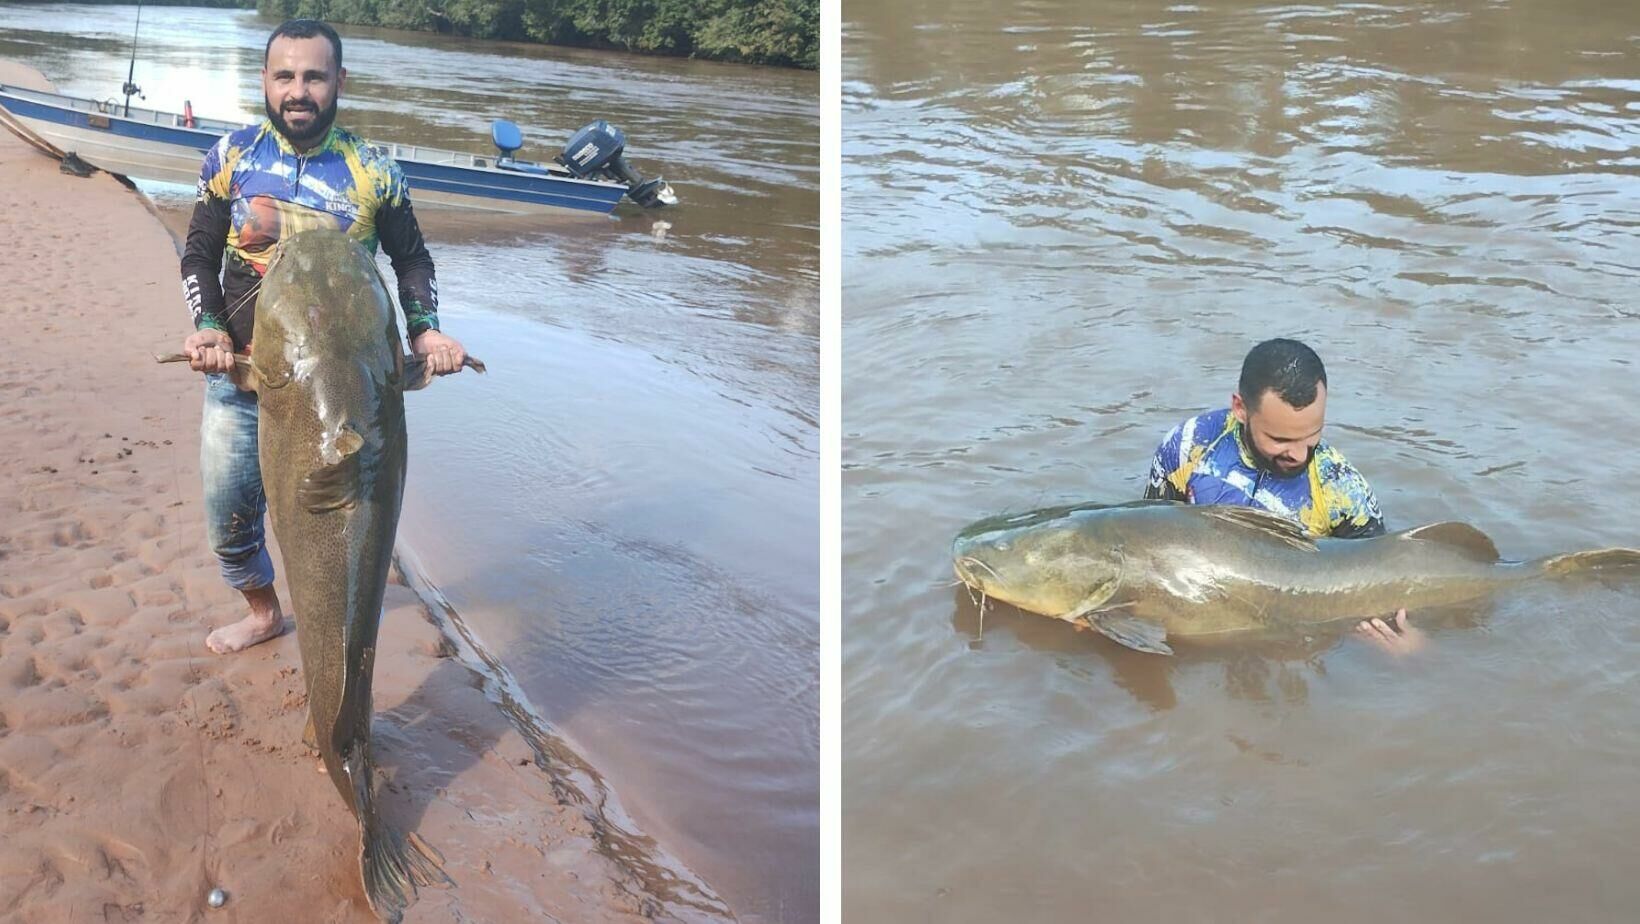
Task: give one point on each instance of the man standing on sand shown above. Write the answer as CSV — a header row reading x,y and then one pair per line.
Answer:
x,y
293,171
1265,450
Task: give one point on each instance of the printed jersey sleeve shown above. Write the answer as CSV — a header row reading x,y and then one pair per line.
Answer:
x,y
1353,512
1163,466
207,239
407,250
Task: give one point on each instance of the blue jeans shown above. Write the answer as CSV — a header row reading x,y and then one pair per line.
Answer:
x,y
234,502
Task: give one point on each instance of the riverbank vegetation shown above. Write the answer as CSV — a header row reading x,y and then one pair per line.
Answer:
x,y
778,32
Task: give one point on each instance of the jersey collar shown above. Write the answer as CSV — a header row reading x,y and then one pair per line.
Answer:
x,y
286,147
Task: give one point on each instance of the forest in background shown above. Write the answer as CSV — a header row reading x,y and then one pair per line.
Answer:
x,y
778,32
784,33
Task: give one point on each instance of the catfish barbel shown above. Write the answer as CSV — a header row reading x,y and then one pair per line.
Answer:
x,y
330,374
1149,571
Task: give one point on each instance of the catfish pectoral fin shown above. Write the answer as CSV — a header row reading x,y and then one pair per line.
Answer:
x,y
1134,632
332,487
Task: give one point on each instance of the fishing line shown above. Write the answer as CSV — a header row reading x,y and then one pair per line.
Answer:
x,y
979,602
204,784
193,669
131,74
255,290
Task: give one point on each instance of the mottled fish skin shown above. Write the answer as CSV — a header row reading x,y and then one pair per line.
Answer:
x,y
329,370
1151,571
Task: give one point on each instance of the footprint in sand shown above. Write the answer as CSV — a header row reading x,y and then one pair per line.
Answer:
x,y
44,709
67,534
17,673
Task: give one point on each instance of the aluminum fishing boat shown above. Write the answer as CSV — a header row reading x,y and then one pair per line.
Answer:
x,y
591,174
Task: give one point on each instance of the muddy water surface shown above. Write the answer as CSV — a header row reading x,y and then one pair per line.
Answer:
x,y
1066,223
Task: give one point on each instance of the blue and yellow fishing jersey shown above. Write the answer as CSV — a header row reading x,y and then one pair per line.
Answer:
x,y
254,188
1205,461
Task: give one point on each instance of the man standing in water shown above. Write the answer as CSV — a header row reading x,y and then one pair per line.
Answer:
x,y
294,171
1265,450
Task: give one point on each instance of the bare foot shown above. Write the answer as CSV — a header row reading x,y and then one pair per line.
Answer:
x,y
252,630
265,621
1396,636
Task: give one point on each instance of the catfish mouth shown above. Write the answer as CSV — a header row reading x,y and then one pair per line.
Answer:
x,y
974,573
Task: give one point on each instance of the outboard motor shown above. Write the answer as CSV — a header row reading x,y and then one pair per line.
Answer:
x,y
595,151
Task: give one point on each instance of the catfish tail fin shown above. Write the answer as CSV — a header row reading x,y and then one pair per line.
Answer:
x,y
394,866
1600,562
391,865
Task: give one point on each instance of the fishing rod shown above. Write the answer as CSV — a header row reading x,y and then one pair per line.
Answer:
x,y
131,74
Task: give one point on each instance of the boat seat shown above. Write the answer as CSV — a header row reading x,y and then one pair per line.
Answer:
x,y
507,137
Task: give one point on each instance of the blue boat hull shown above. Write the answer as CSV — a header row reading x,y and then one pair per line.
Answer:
x,y
157,146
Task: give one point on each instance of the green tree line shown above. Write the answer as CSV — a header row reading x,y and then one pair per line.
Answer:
x,y
215,4
779,32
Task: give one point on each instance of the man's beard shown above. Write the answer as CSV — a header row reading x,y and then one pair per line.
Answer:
x,y
313,132
1269,464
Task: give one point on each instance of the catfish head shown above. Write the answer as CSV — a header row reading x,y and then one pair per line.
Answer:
x,y
327,347
324,319
1056,562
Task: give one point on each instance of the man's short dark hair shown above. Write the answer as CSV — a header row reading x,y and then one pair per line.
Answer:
x,y
305,28
1287,367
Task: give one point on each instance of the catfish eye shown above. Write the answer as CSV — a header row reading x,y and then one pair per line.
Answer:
x,y
1003,545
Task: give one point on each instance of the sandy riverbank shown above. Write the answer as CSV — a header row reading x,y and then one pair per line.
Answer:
x,y
137,769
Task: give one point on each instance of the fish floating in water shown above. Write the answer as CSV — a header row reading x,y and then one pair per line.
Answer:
x,y
1146,572
330,375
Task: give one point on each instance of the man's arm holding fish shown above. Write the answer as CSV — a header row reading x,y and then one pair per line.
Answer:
x,y
1396,635
418,287
1359,517
208,348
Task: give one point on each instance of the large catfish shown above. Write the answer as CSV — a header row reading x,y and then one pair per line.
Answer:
x,y
329,370
1149,571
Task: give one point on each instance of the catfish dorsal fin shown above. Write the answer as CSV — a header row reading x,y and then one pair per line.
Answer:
x,y
1460,535
1273,525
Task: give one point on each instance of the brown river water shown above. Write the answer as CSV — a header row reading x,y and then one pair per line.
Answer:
x,y
1065,225
623,512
